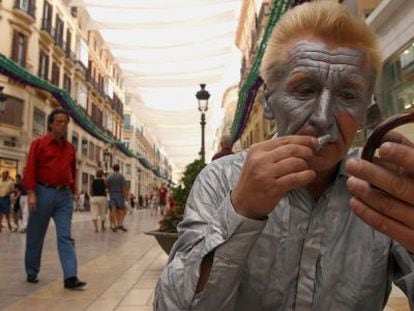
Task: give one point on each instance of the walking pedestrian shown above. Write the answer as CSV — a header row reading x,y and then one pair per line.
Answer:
x,y
49,179
6,189
98,201
132,201
22,197
117,196
140,201
154,201
162,197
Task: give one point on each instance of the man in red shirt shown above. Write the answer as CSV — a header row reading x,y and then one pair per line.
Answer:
x,y
50,181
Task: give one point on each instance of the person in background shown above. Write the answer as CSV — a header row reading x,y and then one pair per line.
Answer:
x,y
162,197
292,223
147,200
118,193
6,189
80,202
49,179
140,201
132,201
225,147
154,201
171,204
15,207
22,199
87,204
98,201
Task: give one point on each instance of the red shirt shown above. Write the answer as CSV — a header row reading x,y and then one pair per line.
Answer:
x,y
51,163
162,193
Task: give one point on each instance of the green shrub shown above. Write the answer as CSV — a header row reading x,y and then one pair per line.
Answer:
x,y
180,194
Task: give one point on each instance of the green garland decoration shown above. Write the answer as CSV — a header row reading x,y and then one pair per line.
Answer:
x,y
242,110
18,73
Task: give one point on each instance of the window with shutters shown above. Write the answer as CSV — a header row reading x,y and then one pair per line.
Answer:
x,y
82,95
47,17
27,6
91,153
67,83
43,65
55,74
84,147
75,141
127,169
68,47
19,48
39,122
97,115
97,154
59,29
13,112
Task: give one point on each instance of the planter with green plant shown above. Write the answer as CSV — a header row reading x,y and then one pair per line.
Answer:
x,y
166,234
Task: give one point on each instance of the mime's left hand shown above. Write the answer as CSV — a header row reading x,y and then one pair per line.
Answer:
x,y
383,191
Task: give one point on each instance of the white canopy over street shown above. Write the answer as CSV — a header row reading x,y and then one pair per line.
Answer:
x,y
166,48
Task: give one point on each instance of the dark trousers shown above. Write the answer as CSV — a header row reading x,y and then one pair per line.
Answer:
x,y
56,204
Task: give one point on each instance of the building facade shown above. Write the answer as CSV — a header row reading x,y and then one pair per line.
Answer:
x,y
228,104
393,22
52,41
142,180
254,17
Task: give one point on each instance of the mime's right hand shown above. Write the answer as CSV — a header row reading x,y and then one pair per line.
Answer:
x,y
271,169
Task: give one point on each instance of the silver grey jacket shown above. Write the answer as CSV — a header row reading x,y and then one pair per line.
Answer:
x,y
306,256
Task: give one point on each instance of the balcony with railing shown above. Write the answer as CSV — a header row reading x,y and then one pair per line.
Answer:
x,y
26,6
70,54
117,106
92,81
60,42
79,66
47,27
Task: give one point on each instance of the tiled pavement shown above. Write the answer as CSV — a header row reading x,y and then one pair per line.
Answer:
x,y
121,270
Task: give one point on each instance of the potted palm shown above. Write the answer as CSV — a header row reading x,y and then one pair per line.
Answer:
x,y
166,234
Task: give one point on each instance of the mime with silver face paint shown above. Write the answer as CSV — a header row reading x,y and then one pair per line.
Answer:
x,y
293,223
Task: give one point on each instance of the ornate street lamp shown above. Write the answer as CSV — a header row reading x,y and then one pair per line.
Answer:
x,y
3,99
202,96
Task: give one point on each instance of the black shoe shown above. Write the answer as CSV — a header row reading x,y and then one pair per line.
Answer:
x,y
114,229
73,283
32,279
123,228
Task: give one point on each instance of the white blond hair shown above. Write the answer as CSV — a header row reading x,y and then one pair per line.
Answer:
x,y
326,20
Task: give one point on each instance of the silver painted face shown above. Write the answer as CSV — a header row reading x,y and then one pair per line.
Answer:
x,y
315,85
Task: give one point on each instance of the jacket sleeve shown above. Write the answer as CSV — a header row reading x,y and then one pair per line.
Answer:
x,y
403,271
210,223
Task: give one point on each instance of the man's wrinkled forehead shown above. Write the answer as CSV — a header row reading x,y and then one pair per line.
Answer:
x,y
316,54
317,58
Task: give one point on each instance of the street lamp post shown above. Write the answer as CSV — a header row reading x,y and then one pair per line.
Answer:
x,y
202,96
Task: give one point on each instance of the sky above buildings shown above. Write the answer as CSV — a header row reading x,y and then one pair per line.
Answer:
x,y
166,48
